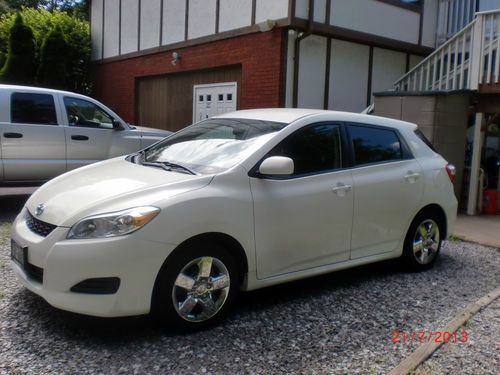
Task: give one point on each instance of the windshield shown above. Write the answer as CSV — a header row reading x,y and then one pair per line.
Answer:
x,y
213,145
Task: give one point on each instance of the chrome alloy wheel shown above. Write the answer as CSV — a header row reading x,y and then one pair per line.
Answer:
x,y
200,289
426,241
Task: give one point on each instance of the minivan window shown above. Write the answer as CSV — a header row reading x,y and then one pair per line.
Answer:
x,y
30,108
374,145
86,114
315,149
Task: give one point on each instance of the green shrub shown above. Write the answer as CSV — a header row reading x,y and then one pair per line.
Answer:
x,y
76,33
19,66
54,60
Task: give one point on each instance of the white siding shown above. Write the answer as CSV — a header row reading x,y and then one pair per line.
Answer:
x,y
348,76
96,31
415,60
375,17
130,24
201,18
234,14
111,27
174,21
388,67
429,25
150,23
271,10
302,9
312,68
320,11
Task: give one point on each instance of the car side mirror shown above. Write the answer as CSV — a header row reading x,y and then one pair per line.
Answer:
x,y
117,125
277,166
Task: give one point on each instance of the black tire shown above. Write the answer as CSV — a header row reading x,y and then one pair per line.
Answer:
x,y
423,241
189,304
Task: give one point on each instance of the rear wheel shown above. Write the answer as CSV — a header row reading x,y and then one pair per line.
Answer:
x,y
423,241
196,287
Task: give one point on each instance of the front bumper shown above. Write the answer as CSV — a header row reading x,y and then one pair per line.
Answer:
x,y
136,261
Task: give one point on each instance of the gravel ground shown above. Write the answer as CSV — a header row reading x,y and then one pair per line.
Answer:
x,y
338,323
480,355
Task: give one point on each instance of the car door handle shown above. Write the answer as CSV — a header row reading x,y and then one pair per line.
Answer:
x,y
79,138
412,176
341,188
12,135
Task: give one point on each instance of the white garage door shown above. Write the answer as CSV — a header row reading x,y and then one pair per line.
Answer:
x,y
213,99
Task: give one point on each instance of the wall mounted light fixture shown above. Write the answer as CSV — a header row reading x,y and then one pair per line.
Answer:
x,y
175,57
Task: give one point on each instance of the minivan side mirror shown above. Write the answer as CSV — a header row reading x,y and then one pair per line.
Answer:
x,y
276,166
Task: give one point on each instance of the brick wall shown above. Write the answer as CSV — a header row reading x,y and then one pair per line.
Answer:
x,y
261,56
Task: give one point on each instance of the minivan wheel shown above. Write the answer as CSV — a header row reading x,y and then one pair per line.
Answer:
x,y
196,287
423,242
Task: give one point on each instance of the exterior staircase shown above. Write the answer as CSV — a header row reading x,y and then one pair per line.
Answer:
x,y
468,60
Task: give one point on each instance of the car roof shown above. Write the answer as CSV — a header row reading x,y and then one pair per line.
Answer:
x,y
35,89
289,115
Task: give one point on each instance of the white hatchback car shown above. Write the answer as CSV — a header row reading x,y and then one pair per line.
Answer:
x,y
237,202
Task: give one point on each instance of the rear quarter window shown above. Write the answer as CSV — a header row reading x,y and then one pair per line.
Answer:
x,y
375,145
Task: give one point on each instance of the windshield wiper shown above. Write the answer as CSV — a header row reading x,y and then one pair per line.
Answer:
x,y
169,166
178,166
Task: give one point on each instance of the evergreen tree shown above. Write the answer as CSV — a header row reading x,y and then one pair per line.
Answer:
x,y
19,67
54,56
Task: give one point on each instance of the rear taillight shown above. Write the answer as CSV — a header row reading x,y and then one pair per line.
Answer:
x,y
452,172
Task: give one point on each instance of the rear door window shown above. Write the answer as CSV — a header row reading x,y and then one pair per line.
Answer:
x,y
32,108
375,145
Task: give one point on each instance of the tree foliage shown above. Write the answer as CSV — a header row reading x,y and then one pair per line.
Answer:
x,y
19,66
76,34
54,60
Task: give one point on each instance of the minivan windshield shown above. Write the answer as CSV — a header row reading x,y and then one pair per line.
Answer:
x,y
210,146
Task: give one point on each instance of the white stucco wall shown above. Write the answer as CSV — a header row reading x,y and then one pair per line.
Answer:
x,y
388,67
312,68
174,21
130,24
348,76
271,10
234,14
150,23
375,17
201,18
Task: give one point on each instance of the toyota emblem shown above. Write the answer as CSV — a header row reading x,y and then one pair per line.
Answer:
x,y
39,209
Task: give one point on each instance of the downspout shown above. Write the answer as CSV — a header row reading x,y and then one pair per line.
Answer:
x,y
296,52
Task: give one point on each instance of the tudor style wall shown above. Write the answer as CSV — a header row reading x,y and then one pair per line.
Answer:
x,y
259,55
347,51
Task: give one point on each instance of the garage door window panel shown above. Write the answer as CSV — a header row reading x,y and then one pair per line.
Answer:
x,y
315,149
373,145
82,113
28,108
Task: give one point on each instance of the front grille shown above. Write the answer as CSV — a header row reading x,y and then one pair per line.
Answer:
x,y
39,227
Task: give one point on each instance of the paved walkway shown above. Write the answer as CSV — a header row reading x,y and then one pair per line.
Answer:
x,y
483,229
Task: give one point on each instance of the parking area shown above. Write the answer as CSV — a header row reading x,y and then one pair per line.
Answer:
x,y
338,323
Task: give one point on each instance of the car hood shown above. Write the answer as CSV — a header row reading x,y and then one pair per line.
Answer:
x,y
108,186
145,131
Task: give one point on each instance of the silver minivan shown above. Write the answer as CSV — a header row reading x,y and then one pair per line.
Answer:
x,y
44,133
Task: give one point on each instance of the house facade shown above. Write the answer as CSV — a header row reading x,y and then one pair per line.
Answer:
x,y
168,63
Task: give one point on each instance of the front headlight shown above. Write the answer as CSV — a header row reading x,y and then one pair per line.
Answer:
x,y
113,224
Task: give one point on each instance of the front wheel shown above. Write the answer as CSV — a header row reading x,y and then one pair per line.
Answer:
x,y
422,242
196,287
